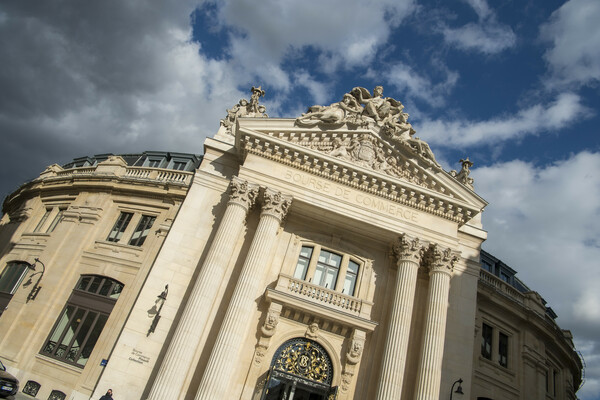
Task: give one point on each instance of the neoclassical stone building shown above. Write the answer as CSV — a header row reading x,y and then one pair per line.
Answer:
x,y
327,256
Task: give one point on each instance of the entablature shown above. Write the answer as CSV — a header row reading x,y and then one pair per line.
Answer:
x,y
406,182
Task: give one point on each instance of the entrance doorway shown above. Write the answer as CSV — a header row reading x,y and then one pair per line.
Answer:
x,y
300,370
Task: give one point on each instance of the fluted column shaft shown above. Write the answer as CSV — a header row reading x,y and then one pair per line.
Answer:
x,y
408,253
430,368
216,380
186,339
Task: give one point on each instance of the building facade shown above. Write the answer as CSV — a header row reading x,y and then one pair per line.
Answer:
x,y
327,256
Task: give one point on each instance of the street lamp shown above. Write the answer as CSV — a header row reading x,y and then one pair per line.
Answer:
x,y
158,305
36,287
458,389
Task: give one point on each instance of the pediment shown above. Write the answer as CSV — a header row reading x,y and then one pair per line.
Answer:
x,y
362,158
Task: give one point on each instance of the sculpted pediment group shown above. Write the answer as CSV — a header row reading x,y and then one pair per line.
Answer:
x,y
364,140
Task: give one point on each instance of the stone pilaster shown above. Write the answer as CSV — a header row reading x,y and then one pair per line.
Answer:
x,y
179,358
224,355
441,264
408,252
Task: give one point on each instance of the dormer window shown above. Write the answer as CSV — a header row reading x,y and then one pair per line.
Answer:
x,y
329,269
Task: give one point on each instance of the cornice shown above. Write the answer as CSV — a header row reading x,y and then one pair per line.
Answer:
x,y
416,187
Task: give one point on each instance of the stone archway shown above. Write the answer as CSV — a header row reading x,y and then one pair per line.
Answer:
x,y
301,369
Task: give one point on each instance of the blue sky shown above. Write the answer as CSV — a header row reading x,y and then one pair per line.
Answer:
x,y
512,84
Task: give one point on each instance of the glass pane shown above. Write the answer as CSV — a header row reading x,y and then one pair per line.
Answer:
x,y
42,221
84,282
301,269
56,220
503,350
120,226
319,275
349,284
92,339
11,277
486,341
141,231
330,278
329,258
353,267
81,334
116,291
105,289
306,252
70,330
60,327
95,284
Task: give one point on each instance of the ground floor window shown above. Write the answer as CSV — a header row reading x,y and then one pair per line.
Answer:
x,y
81,322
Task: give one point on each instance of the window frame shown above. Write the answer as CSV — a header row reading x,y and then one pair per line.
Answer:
x,y
143,229
82,304
119,227
342,271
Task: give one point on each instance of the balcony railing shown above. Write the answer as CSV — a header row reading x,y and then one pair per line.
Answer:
x,y
501,286
323,296
144,173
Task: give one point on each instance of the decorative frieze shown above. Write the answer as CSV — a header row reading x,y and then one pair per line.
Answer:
x,y
379,172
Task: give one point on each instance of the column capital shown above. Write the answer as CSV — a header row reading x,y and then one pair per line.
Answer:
x,y
406,248
242,193
441,259
275,204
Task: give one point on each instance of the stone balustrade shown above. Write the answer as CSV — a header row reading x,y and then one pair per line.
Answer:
x,y
145,173
501,286
322,296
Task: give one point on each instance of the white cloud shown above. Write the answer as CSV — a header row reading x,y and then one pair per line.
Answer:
x,y
414,85
574,33
461,133
542,221
344,34
487,35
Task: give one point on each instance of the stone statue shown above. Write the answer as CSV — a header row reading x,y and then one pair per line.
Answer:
x,y
376,107
245,109
463,175
333,114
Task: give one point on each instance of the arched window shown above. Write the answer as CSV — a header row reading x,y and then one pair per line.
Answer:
x,y
80,323
300,368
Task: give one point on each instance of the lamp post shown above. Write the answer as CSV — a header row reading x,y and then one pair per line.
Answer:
x,y
160,302
36,287
458,389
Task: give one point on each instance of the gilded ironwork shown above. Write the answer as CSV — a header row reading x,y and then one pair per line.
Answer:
x,y
304,358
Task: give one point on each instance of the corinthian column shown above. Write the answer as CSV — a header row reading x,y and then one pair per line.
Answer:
x,y
408,253
216,380
430,369
179,358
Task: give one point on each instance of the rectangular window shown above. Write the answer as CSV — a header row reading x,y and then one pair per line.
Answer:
x,y
505,277
327,270
487,267
141,231
350,280
179,165
503,349
120,226
303,261
57,218
486,341
154,163
40,224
